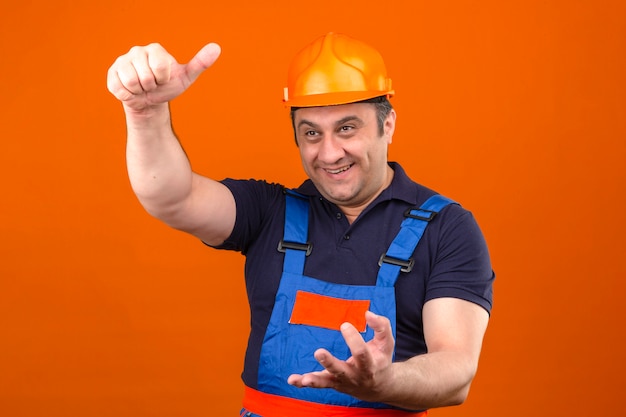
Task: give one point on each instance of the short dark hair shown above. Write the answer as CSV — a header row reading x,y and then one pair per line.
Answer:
x,y
381,104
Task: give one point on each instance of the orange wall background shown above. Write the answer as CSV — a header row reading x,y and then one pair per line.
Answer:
x,y
516,109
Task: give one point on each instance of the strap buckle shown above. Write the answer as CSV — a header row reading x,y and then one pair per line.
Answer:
x,y
284,245
405,266
429,214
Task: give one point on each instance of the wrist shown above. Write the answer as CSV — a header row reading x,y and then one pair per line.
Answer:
x,y
152,117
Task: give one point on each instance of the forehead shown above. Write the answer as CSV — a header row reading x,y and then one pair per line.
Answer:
x,y
330,114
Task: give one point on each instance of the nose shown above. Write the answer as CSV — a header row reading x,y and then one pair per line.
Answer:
x,y
330,150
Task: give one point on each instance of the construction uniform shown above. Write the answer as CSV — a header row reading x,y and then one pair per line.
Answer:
x,y
308,270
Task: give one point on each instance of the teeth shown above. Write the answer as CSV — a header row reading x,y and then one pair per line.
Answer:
x,y
337,171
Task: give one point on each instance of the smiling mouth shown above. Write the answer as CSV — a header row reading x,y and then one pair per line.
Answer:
x,y
339,170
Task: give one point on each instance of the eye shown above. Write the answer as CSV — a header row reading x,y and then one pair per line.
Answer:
x,y
310,135
346,130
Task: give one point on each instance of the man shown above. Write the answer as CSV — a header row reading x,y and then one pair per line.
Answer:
x,y
369,293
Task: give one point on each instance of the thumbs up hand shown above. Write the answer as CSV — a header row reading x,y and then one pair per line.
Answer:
x,y
148,76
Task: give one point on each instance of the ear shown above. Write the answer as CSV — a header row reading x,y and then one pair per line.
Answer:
x,y
390,125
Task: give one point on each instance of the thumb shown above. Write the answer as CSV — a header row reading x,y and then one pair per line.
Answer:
x,y
203,60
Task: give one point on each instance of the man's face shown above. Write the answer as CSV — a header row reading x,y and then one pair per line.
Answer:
x,y
343,153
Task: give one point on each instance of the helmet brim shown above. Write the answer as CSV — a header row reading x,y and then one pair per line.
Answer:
x,y
333,99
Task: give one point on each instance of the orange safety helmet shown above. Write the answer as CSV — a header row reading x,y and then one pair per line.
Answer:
x,y
336,69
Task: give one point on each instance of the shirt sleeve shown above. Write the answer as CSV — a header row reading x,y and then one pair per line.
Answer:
x,y
462,265
255,201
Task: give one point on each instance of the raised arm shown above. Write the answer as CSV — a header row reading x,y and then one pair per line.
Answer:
x,y
145,80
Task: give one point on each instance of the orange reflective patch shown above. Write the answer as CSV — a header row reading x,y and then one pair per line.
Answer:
x,y
328,312
265,404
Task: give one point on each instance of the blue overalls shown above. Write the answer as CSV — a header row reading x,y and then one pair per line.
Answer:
x,y
293,333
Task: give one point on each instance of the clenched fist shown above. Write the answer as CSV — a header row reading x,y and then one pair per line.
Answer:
x,y
148,76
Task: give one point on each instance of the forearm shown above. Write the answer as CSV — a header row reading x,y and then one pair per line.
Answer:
x,y
428,381
158,168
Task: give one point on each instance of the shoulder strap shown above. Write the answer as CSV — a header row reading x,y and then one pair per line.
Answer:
x,y
398,257
294,242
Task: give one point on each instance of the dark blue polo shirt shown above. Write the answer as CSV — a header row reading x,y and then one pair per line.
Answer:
x,y
451,260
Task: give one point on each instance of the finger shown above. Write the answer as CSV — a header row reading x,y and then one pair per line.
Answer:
x,y
129,79
319,379
122,79
383,334
160,63
295,380
152,65
145,76
203,60
116,87
336,369
126,66
361,356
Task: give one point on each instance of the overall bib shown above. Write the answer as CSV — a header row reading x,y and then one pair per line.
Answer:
x,y
308,312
